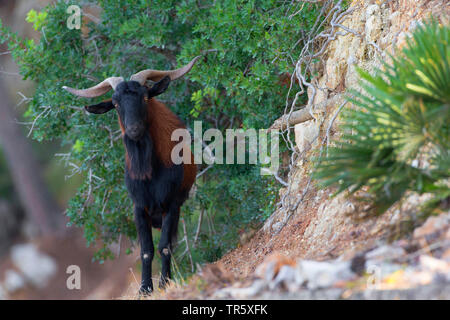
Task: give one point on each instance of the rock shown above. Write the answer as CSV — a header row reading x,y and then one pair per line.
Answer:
x,y
276,227
413,24
279,273
373,23
394,19
434,265
37,267
434,231
13,281
285,277
446,255
306,134
325,294
433,291
335,69
371,10
433,226
352,59
349,208
256,288
272,264
316,274
384,253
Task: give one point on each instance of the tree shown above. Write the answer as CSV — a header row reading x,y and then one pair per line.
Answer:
x,y
25,171
236,86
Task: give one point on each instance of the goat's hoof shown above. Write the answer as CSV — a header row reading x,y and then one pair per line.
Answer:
x,y
163,283
145,291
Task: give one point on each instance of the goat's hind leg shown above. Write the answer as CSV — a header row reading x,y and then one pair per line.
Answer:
x,y
168,233
147,250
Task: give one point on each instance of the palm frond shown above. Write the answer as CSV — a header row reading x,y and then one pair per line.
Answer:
x,y
400,116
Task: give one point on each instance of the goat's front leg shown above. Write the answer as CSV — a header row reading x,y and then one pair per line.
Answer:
x,y
168,232
147,249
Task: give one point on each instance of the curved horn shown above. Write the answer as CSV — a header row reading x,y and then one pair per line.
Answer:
x,y
97,90
156,75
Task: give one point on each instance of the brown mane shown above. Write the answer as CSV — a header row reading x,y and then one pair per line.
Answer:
x,y
162,122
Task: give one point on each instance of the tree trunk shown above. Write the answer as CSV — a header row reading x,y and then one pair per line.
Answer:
x,y
26,173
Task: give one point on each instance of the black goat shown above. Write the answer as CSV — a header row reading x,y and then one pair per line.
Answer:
x,y
157,186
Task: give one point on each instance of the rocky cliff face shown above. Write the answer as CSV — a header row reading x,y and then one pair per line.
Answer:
x,y
375,31
318,226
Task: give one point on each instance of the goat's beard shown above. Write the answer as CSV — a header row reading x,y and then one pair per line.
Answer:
x,y
140,153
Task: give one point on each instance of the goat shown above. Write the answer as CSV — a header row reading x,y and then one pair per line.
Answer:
x,y
157,186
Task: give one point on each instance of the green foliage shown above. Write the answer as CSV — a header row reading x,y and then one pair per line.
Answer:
x,y
236,86
397,136
37,19
253,42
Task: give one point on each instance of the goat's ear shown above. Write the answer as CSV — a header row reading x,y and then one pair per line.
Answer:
x,y
101,107
159,87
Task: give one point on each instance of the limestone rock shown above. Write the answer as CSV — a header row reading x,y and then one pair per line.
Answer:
x,y
385,253
13,281
323,274
305,135
37,267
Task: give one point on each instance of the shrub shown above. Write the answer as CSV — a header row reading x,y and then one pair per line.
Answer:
x,y
235,86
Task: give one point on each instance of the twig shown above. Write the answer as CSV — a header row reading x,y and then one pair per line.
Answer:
x,y
24,98
199,225
280,180
203,171
210,223
188,250
47,110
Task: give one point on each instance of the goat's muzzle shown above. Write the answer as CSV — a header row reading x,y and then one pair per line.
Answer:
x,y
135,131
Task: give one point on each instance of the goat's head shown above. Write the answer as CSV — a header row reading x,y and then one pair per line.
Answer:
x,y
130,97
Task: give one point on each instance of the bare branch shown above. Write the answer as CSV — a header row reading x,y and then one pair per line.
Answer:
x,y
199,225
186,240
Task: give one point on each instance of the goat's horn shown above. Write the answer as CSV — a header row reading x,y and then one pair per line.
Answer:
x,y
156,75
97,90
